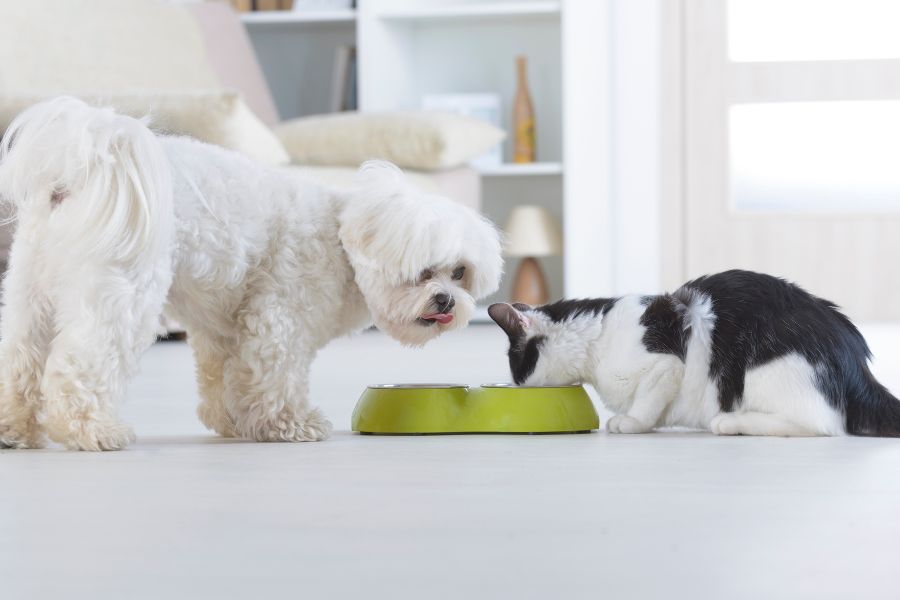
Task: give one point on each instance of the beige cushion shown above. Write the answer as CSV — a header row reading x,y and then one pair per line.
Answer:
x,y
410,139
219,117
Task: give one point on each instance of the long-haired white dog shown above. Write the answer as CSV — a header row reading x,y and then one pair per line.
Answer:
x,y
117,226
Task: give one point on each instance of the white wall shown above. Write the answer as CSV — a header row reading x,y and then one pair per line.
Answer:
x,y
587,223
635,157
613,67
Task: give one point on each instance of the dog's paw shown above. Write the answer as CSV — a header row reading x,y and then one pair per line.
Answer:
x,y
625,424
92,435
11,439
216,418
21,434
18,426
311,427
316,427
30,439
725,424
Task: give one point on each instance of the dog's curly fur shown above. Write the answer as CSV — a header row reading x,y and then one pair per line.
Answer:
x,y
117,225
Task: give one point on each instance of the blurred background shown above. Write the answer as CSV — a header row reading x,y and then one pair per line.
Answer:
x,y
646,141
673,138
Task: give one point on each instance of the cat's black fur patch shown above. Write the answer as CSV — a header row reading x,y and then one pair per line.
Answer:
x,y
665,331
760,318
571,309
523,357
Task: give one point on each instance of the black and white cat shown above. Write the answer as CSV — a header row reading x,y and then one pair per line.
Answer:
x,y
735,353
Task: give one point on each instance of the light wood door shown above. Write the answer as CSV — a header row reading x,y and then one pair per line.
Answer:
x,y
842,251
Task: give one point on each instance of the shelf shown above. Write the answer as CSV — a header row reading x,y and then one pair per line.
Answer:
x,y
474,11
297,17
522,169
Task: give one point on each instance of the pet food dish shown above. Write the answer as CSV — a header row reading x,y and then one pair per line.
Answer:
x,y
490,408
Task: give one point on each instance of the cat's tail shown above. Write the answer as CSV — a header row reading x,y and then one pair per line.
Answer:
x,y
871,409
698,322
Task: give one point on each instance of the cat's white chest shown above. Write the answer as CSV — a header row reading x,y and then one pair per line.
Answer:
x,y
619,356
616,387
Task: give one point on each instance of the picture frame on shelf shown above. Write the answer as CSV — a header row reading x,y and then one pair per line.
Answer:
x,y
322,5
483,106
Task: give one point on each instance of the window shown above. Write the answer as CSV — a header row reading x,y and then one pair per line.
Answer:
x,y
803,30
815,156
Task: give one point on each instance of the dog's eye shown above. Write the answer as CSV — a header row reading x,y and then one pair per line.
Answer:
x,y
426,275
458,273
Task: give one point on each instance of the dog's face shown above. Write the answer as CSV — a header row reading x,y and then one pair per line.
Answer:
x,y
438,300
420,260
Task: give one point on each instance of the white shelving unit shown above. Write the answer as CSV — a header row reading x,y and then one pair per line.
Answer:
x,y
526,169
471,10
409,48
290,17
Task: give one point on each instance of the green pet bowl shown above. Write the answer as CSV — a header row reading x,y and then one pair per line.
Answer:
x,y
495,408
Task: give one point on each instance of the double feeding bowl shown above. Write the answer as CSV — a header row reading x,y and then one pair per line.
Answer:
x,y
492,408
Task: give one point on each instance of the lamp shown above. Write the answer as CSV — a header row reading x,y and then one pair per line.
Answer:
x,y
531,232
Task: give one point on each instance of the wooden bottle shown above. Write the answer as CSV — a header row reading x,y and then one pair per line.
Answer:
x,y
523,118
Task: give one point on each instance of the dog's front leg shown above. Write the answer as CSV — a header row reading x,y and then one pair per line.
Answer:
x,y
269,400
267,380
211,355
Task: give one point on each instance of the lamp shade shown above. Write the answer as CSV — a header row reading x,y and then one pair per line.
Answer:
x,y
532,231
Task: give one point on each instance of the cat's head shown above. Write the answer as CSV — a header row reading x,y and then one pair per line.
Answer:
x,y
544,349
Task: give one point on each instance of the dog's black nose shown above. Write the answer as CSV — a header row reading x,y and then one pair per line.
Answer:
x,y
444,302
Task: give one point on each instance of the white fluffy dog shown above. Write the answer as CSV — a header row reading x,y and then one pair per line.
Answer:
x,y
117,225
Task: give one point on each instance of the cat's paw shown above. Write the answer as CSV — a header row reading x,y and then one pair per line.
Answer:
x,y
625,424
725,424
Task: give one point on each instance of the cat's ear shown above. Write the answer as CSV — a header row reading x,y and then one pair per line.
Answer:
x,y
509,319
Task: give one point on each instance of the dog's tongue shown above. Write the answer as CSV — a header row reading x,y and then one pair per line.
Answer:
x,y
442,318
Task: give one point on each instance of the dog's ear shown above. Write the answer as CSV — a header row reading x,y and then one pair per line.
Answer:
x,y
389,226
509,319
372,234
483,248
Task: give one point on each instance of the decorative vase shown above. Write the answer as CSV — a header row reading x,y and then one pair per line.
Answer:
x,y
523,118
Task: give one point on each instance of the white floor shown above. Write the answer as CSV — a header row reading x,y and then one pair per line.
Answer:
x,y
183,514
